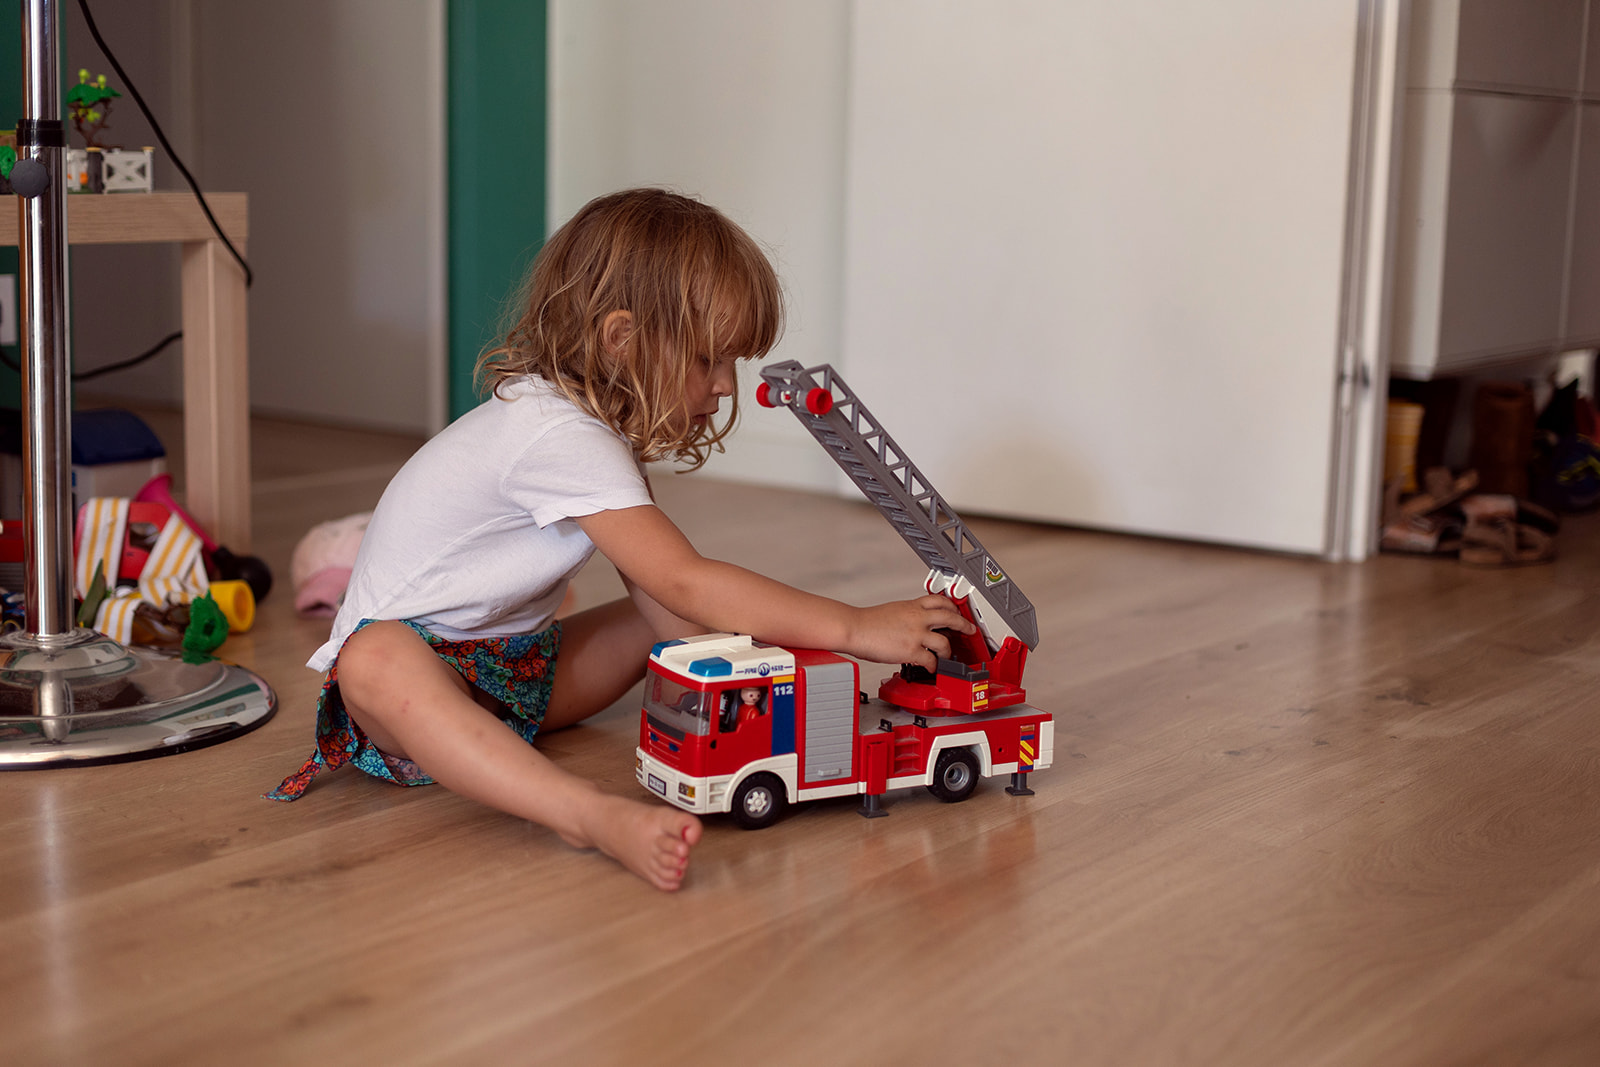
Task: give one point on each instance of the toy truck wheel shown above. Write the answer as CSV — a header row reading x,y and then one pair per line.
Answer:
x,y
955,775
758,801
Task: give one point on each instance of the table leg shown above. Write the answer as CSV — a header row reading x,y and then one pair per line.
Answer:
x,y
216,393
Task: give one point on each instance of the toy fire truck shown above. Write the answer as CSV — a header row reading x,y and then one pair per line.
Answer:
x,y
734,725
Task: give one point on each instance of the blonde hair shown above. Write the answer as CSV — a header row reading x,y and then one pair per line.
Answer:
x,y
696,287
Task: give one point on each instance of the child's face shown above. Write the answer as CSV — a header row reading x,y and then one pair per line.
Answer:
x,y
709,380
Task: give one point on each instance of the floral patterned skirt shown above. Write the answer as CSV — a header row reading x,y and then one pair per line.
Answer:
x,y
517,671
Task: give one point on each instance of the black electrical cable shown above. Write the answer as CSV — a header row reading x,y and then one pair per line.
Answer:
x,y
149,353
84,376
94,32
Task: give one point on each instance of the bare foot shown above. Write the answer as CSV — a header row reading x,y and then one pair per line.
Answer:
x,y
650,840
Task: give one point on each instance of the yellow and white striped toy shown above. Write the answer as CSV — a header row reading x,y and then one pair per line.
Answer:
x,y
174,572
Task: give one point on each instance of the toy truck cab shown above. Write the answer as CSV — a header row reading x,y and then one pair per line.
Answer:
x,y
731,724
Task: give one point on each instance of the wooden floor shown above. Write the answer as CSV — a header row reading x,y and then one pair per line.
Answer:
x,y
1301,814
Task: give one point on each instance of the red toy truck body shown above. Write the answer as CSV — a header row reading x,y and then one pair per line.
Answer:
x,y
810,733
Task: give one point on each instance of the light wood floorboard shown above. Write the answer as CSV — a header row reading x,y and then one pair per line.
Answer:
x,y
1301,813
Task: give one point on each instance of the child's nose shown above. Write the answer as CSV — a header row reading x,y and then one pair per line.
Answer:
x,y
722,381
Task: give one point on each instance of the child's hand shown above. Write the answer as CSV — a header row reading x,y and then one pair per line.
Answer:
x,y
906,631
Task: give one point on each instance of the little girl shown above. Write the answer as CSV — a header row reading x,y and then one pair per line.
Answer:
x,y
444,661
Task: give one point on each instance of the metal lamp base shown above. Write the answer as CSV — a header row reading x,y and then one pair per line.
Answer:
x,y
83,698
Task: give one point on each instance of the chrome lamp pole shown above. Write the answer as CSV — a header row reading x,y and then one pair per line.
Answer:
x,y
69,695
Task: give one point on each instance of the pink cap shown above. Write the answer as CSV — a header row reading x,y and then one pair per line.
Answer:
x,y
320,594
320,567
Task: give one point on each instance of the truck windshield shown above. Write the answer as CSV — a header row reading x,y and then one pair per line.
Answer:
x,y
677,705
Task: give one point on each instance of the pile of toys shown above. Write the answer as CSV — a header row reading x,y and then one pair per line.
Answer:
x,y
146,573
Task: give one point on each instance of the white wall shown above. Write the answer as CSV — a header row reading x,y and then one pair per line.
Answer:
x,y
329,113
742,105
125,297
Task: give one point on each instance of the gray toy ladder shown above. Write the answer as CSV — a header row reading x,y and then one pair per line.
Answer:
x,y
857,442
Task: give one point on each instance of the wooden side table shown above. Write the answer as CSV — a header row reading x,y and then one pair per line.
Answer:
x,y
216,361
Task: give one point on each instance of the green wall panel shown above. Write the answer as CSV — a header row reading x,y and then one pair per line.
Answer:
x,y
496,135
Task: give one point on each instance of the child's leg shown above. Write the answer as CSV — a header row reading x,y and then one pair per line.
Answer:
x,y
603,654
411,704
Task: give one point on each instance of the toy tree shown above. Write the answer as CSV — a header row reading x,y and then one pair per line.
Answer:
x,y
85,101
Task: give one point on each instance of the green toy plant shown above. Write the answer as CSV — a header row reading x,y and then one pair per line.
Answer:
x,y
207,629
84,102
89,607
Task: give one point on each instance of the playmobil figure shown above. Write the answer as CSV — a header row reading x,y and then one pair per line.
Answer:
x,y
749,705
740,707
444,662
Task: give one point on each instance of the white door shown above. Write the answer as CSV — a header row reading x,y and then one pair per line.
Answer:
x,y
1095,262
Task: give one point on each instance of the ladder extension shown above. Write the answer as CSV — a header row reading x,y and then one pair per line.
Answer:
x,y
847,431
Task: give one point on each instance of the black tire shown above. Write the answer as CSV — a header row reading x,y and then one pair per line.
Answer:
x,y
759,801
955,775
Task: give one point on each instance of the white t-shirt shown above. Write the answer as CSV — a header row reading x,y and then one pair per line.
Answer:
x,y
475,535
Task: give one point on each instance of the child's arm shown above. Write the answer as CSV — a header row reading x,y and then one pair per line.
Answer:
x,y
652,553
663,623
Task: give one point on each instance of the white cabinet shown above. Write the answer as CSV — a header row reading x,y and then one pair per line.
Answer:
x,y
1583,303
1494,258
1533,46
1506,224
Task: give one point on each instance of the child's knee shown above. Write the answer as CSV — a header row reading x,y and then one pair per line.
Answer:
x,y
369,657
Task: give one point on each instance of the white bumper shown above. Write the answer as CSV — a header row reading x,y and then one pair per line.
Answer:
x,y
681,791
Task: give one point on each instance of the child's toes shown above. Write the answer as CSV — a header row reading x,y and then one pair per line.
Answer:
x,y
669,874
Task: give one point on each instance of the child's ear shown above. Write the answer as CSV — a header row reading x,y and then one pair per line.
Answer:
x,y
615,332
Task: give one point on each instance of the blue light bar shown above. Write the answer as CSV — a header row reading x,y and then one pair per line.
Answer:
x,y
711,667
